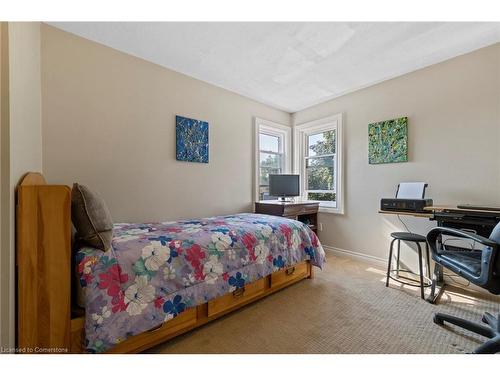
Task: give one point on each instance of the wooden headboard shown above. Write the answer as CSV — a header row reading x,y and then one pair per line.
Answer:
x,y
43,260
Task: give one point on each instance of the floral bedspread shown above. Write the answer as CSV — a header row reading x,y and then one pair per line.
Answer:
x,y
155,271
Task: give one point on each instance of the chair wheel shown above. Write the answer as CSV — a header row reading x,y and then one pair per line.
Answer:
x,y
438,320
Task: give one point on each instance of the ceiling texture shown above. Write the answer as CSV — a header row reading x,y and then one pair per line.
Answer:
x,y
291,66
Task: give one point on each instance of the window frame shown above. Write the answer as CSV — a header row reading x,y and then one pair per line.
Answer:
x,y
301,132
277,130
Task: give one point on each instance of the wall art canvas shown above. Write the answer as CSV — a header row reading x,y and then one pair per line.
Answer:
x,y
388,141
191,140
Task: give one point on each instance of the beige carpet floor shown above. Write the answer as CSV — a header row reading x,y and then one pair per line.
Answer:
x,y
346,308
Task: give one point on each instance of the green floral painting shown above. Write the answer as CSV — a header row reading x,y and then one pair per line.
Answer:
x,y
388,141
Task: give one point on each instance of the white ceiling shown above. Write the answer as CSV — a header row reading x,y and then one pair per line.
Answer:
x,y
291,66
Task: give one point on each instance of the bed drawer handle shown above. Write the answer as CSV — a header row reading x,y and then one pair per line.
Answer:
x,y
290,271
154,329
239,292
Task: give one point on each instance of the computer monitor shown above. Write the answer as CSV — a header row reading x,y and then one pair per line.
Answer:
x,y
284,185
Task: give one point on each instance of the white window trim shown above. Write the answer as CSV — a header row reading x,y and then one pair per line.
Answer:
x,y
273,128
299,133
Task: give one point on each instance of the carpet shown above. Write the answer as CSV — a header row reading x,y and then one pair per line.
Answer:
x,y
346,308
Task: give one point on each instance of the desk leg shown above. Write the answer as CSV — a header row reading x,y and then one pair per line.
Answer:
x,y
440,276
437,281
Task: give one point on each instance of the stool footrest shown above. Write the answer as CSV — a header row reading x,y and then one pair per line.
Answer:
x,y
427,284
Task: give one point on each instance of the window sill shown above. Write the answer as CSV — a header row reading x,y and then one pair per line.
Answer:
x,y
331,210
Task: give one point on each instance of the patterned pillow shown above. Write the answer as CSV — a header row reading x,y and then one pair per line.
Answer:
x,y
91,218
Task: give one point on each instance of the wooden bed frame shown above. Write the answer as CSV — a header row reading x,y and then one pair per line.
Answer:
x,y
46,321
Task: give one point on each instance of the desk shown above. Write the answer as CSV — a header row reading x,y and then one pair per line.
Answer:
x,y
481,222
445,208
305,211
407,213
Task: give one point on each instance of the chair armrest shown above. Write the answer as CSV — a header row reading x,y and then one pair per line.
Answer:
x,y
434,233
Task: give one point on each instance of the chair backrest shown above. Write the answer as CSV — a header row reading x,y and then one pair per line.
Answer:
x,y
495,237
495,234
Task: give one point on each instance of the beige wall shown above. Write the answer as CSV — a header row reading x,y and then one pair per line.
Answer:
x,y
21,144
109,122
4,177
454,134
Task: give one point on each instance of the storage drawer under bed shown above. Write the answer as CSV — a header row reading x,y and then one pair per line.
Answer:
x,y
297,271
237,297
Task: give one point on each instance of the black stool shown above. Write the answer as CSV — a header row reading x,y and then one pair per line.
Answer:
x,y
417,239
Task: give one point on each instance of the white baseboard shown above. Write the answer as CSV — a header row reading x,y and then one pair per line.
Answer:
x,y
356,255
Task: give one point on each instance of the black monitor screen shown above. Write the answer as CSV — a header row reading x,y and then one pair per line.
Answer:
x,y
284,185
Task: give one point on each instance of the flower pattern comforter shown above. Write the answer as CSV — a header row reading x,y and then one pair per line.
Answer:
x,y
155,271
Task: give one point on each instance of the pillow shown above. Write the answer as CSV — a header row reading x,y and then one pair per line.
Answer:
x,y
91,218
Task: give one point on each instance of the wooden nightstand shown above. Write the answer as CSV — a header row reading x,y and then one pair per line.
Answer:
x,y
305,211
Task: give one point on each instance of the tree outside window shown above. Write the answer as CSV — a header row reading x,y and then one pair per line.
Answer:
x,y
320,167
270,161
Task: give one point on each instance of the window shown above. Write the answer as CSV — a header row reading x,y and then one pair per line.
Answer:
x,y
272,154
270,160
318,159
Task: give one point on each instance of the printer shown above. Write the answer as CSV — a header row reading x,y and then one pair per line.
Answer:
x,y
410,196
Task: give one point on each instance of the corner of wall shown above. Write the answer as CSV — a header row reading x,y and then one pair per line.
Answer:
x,y
21,146
5,182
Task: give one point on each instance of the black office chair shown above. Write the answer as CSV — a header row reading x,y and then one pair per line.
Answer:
x,y
480,267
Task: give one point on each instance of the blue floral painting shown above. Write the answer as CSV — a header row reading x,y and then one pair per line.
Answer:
x,y
191,140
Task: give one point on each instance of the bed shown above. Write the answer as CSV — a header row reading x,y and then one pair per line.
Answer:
x,y
158,280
